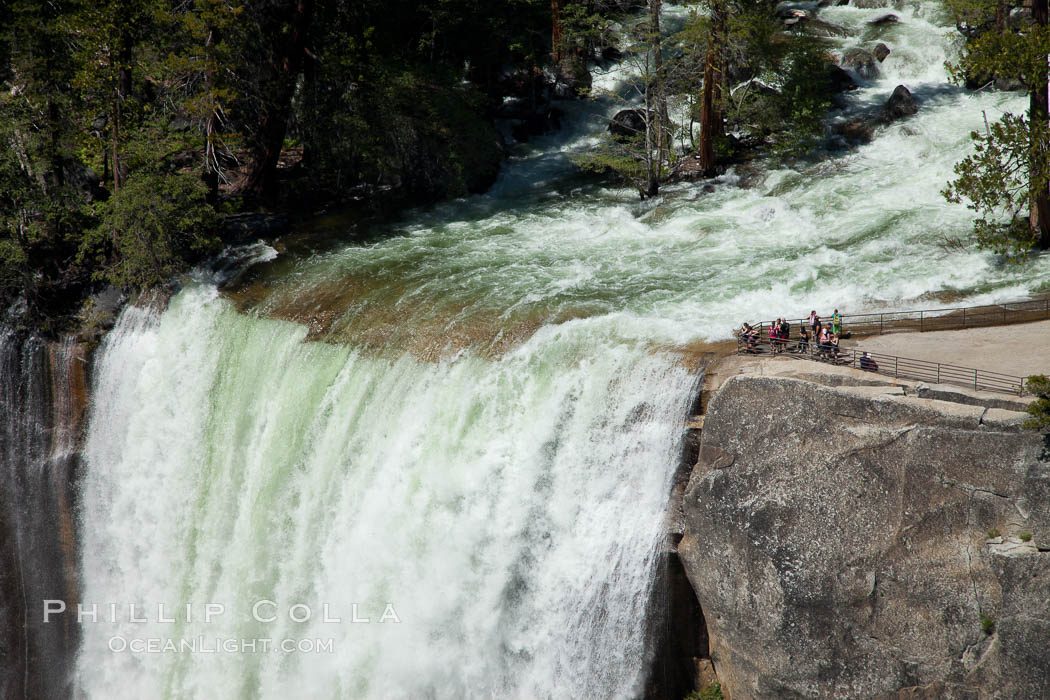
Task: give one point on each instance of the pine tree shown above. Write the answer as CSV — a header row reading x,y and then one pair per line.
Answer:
x,y
1007,180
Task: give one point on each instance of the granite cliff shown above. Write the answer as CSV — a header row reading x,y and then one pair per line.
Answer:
x,y
846,537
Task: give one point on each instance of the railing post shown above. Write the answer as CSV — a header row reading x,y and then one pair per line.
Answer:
x,y
920,322
882,325
895,367
938,372
975,380
964,317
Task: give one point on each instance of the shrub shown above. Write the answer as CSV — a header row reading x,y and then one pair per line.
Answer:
x,y
1026,536
711,692
987,624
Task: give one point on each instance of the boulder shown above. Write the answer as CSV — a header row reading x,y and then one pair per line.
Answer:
x,y
837,541
854,130
901,104
880,52
861,62
884,20
83,179
820,28
537,123
514,108
875,4
628,123
839,79
571,80
240,228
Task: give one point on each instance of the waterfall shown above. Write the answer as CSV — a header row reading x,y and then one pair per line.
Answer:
x,y
464,426
507,512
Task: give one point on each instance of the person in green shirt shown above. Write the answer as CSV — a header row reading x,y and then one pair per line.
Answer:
x,y
836,322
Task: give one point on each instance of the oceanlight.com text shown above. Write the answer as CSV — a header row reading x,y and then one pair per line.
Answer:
x,y
119,644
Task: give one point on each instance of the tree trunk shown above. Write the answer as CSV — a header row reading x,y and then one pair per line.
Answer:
x,y
556,38
712,126
261,180
706,151
662,118
210,174
1039,217
655,106
115,142
120,94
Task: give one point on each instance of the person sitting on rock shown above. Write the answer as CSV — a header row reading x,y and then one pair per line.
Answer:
x,y
868,363
833,346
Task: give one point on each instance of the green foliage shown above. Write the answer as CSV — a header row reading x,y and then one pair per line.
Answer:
x,y
711,692
1006,178
997,180
1038,410
156,226
619,157
987,624
795,113
993,533
1010,50
1026,536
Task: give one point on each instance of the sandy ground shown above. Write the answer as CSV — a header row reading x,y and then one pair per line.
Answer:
x,y
1021,349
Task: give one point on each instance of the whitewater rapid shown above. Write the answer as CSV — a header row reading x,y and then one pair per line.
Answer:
x,y
485,439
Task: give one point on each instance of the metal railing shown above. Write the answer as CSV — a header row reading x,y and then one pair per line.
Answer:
x,y
891,365
937,319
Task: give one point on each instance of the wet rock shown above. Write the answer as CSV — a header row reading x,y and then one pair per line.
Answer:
x,y
239,228
854,131
537,123
901,104
884,20
874,4
820,28
880,52
571,80
514,108
628,123
861,62
1008,84
839,79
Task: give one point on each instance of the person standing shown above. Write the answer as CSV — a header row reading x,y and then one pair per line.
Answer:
x,y
836,322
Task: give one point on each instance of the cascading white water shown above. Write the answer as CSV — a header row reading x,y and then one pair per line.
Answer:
x,y
508,510
506,497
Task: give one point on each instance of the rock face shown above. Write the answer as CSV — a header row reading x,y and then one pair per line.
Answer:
x,y
837,539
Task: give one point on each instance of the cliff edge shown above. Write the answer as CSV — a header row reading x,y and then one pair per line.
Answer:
x,y
847,538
